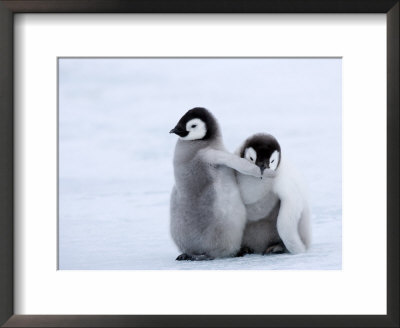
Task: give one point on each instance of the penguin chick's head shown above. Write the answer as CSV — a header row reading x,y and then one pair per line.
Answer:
x,y
262,150
197,124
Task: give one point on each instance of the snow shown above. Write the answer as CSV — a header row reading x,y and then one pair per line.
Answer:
x,y
115,152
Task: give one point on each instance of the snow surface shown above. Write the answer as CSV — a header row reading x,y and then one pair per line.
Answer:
x,y
115,152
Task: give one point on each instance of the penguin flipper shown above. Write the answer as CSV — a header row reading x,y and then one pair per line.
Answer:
x,y
220,157
287,225
289,188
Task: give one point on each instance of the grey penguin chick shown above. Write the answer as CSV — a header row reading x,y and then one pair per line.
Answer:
x,y
278,215
206,210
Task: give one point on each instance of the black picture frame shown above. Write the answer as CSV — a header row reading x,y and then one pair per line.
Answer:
x,y
10,7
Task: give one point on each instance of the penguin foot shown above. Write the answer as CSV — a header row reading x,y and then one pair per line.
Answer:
x,y
186,257
244,251
183,257
275,249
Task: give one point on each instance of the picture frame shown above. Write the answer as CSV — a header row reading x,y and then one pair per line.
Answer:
x,y
7,10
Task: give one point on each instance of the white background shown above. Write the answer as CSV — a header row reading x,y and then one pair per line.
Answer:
x,y
360,288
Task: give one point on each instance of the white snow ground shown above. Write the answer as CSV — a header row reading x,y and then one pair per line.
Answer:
x,y
115,153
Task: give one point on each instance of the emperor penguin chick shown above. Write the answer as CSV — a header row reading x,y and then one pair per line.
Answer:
x,y
207,213
277,207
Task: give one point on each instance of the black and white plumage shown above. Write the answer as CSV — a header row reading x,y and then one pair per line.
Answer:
x,y
207,213
277,206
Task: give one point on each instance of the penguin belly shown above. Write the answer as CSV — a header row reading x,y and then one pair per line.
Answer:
x,y
212,221
253,189
261,208
259,235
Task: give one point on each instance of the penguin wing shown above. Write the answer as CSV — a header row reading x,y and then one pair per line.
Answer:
x,y
220,157
292,206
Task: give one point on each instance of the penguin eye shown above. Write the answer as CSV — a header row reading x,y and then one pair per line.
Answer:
x,y
272,161
250,154
194,125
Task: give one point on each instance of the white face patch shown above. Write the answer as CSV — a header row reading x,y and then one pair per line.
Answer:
x,y
197,129
274,160
250,154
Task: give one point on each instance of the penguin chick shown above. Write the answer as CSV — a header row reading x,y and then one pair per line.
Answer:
x,y
206,210
277,208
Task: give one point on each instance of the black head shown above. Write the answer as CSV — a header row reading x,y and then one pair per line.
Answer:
x,y
262,150
197,124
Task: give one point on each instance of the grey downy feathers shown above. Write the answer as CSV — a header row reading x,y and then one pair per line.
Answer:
x,y
206,211
278,215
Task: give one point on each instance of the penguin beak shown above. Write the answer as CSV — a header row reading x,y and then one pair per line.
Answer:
x,y
262,168
179,131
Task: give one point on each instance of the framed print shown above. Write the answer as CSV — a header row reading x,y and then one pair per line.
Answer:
x,y
95,95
